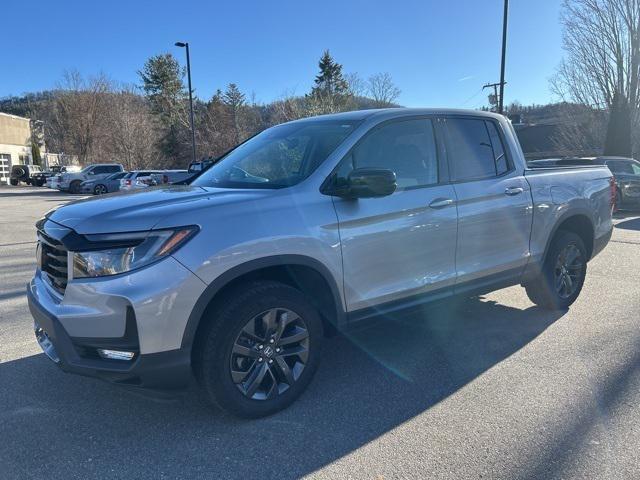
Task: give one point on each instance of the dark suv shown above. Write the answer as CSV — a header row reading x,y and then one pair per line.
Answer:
x,y
23,173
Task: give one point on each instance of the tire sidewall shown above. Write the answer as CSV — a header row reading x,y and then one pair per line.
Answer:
x,y
563,240
215,375
99,191
75,186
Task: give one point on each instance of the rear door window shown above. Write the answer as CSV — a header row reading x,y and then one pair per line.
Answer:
x,y
476,150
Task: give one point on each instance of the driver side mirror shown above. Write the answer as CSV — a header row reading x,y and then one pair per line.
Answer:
x,y
367,183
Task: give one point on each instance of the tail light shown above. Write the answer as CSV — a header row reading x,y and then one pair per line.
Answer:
x,y
613,190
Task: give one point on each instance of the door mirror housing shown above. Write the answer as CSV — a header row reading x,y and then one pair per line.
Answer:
x,y
366,183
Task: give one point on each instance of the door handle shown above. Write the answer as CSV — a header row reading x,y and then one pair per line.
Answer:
x,y
441,203
513,191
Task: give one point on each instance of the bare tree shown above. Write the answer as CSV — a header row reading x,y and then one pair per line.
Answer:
x,y
382,89
602,66
133,132
79,113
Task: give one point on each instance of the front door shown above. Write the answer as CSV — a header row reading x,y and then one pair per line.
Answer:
x,y
403,244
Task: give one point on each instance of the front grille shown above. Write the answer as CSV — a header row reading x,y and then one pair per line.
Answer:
x,y
53,261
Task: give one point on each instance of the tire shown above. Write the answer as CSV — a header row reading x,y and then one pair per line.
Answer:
x,y
13,182
552,290
40,183
74,187
236,325
618,201
100,189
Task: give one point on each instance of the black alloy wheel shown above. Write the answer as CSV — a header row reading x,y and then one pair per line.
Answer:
x,y
568,271
269,354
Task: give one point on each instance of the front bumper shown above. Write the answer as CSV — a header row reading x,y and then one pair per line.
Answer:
x,y
139,312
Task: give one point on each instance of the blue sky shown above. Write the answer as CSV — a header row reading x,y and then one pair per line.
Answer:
x,y
439,52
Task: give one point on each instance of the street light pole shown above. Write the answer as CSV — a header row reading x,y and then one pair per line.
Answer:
x,y
504,52
193,131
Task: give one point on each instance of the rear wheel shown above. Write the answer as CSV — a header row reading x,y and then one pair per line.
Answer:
x,y
99,189
13,182
74,187
562,275
259,350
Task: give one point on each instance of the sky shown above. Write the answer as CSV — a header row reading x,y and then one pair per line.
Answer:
x,y
439,52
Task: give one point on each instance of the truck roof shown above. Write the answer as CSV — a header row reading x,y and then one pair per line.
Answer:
x,y
389,113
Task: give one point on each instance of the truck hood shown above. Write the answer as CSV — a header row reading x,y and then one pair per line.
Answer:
x,y
141,210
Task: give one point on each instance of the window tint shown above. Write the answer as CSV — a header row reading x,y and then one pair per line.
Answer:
x,y
112,169
406,147
100,170
499,155
620,167
471,152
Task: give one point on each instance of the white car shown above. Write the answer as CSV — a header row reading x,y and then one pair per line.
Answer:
x,y
149,178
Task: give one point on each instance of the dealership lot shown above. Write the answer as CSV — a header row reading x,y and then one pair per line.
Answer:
x,y
487,387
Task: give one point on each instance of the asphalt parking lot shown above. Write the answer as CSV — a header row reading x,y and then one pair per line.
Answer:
x,y
488,387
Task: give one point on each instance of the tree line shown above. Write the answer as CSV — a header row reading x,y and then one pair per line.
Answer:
x,y
147,125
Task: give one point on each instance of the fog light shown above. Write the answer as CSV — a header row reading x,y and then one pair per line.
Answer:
x,y
116,354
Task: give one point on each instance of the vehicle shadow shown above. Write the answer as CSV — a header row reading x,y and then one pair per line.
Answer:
x,y
16,193
632,224
371,380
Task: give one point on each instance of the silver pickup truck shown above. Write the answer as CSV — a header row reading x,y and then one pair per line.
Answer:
x,y
304,230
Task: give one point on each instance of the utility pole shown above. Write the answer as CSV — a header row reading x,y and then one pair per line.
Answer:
x,y
193,131
504,53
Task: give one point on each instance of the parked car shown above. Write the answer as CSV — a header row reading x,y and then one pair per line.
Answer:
x,y
100,186
52,181
23,173
308,228
626,172
72,181
200,165
139,179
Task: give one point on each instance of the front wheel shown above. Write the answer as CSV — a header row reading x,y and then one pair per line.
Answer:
x,y
259,349
13,182
563,273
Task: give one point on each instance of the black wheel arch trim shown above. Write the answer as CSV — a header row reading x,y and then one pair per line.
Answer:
x,y
574,212
223,280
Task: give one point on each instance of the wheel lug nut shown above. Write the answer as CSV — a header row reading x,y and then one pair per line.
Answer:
x,y
260,359
271,341
270,361
260,347
278,350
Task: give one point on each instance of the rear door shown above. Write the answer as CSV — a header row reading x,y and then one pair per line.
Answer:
x,y
403,244
494,203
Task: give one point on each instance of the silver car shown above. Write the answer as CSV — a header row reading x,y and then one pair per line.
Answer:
x,y
303,230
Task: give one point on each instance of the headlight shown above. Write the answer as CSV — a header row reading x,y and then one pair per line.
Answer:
x,y
122,252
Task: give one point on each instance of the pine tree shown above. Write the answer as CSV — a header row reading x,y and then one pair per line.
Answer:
x,y
235,101
162,82
330,80
331,90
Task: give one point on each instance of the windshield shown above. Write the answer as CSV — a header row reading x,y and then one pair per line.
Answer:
x,y
279,157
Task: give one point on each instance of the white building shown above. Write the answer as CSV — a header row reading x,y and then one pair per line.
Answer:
x,y
15,143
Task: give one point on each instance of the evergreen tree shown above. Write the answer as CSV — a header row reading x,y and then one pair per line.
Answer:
x,y
330,80
235,101
162,82
331,90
